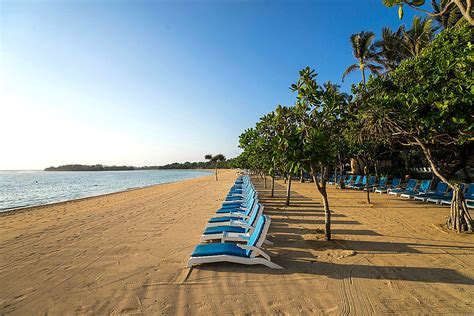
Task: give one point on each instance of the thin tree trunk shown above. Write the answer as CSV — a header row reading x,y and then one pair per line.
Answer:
x,y
264,181
273,186
362,69
301,176
460,220
359,169
288,190
216,172
342,184
368,191
322,191
367,183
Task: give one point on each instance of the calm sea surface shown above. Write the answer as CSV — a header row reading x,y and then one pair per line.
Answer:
x,y
31,188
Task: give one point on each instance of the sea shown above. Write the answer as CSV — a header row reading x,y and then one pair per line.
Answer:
x,y
20,189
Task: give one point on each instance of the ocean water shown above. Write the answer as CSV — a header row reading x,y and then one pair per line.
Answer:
x,y
32,188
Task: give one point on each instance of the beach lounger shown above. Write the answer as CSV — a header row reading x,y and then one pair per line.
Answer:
x,y
360,184
348,180
240,200
382,183
411,186
394,185
249,253
424,187
438,193
468,195
225,209
225,218
368,183
237,230
356,182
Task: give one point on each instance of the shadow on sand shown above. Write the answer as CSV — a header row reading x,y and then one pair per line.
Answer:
x,y
297,254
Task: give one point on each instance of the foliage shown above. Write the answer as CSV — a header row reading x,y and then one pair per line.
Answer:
x,y
364,51
464,7
427,102
446,15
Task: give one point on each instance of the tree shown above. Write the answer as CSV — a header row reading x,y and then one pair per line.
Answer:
x,y
418,37
319,111
446,14
390,48
364,51
426,103
288,148
464,7
216,160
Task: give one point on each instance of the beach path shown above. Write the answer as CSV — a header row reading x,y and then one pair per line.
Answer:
x,y
126,253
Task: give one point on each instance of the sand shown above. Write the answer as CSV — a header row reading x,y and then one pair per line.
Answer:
x,y
126,253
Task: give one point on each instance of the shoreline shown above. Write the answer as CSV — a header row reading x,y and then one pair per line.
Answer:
x,y
21,209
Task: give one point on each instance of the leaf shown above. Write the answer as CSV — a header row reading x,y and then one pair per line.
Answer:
x,y
390,3
417,3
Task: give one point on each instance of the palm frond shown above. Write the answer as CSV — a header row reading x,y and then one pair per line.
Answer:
x,y
349,69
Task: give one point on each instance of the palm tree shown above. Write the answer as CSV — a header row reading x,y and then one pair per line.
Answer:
x,y
390,49
364,51
215,159
419,36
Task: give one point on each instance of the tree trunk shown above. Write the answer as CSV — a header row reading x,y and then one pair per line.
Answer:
x,y
322,191
367,185
342,184
216,172
288,190
368,191
301,176
273,186
264,181
362,69
459,220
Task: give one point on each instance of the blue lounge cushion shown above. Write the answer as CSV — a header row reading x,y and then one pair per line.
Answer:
x,y
218,249
223,219
222,229
229,210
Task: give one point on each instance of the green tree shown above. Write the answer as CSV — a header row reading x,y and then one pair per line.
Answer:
x,y
419,36
446,14
288,148
364,51
390,52
427,103
215,160
319,111
464,7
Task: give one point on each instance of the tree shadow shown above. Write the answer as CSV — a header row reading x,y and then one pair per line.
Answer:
x,y
296,248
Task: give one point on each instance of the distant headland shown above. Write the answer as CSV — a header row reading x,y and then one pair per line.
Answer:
x,y
175,165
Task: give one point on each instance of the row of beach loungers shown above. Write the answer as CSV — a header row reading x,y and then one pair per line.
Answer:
x,y
238,230
418,190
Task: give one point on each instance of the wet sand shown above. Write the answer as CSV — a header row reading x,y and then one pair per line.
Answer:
x,y
126,253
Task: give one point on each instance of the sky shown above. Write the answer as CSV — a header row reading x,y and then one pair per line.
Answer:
x,y
155,82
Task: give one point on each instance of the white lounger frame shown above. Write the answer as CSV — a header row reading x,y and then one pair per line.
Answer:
x,y
241,215
265,259
235,236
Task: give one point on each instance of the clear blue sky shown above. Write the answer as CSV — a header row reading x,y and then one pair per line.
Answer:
x,y
153,82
